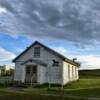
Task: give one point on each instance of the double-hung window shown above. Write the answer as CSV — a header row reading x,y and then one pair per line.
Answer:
x,y
37,52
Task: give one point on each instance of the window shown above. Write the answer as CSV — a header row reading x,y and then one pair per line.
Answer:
x,y
28,70
68,71
72,72
34,69
37,52
75,72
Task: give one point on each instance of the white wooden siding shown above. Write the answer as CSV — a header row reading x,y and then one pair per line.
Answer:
x,y
46,57
70,72
41,74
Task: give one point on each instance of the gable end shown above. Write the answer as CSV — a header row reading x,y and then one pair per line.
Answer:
x,y
52,51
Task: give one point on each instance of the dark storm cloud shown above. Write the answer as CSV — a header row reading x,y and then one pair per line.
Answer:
x,y
72,20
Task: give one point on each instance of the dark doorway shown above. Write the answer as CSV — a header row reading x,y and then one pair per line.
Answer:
x,y
31,74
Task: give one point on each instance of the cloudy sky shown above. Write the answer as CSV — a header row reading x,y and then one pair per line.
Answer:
x,y
71,27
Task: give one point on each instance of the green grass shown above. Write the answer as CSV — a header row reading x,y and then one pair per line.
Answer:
x,y
80,90
32,95
89,93
84,83
89,73
87,87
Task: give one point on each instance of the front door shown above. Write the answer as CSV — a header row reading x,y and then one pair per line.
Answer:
x,y
31,74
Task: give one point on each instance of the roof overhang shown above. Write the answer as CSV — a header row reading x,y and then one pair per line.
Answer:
x,y
72,62
52,51
38,62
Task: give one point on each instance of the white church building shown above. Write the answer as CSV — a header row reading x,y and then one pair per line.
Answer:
x,y
40,64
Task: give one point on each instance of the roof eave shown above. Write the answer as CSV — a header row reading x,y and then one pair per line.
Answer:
x,y
54,52
73,63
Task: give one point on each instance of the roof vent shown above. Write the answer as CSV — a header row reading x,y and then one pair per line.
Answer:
x,y
74,59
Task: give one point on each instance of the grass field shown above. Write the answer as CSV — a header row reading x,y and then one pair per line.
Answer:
x,y
89,73
33,95
87,88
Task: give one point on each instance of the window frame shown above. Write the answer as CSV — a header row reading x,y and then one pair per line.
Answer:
x,y
28,70
37,52
69,71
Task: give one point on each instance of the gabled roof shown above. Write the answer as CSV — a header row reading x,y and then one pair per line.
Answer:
x,y
49,49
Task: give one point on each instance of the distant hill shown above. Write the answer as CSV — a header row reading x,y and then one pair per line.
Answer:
x,y
89,73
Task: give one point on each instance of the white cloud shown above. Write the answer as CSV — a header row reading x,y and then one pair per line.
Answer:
x,y
61,50
2,10
6,55
87,61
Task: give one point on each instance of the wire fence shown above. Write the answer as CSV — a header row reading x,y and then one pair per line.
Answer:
x,y
6,81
